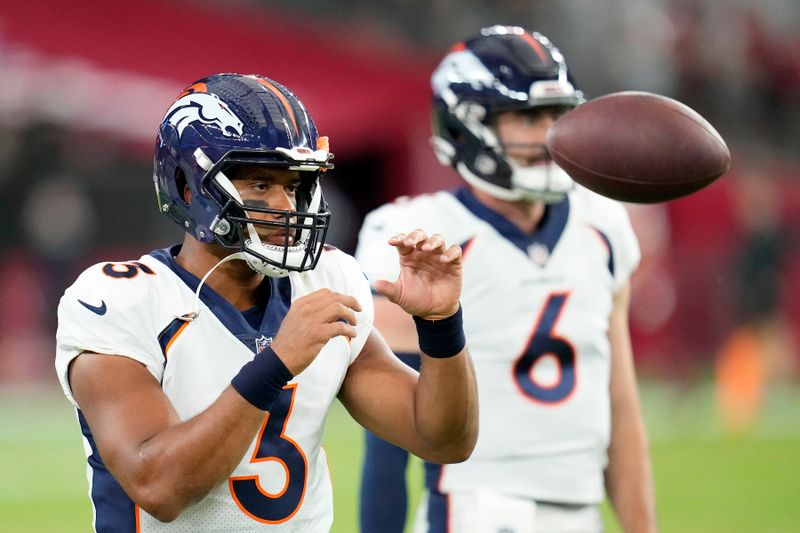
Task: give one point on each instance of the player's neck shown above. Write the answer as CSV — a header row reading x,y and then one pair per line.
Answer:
x,y
524,215
234,281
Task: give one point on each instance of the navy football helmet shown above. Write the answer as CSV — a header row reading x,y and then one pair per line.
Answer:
x,y
232,119
503,68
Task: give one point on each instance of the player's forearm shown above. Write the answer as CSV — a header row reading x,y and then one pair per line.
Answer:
x,y
182,464
629,479
446,408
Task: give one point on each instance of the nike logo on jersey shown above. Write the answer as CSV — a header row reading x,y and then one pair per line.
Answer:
x,y
100,310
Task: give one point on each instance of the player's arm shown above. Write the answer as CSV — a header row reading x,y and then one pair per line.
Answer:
x,y
165,464
629,479
396,326
433,414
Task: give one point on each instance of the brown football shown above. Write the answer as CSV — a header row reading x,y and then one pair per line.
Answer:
x,y
638,147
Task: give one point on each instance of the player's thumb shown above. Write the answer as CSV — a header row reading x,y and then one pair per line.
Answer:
x,y
388,289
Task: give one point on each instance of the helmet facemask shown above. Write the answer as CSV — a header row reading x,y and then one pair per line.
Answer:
x,y
303,230
542,182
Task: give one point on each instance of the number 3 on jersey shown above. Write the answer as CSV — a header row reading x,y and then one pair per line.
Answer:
x,y
543,343
273,445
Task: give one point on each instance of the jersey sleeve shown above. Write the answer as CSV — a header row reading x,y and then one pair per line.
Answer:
x,y
106,315
358,287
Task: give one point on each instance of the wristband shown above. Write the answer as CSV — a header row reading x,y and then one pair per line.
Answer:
x,y
441,338
261,380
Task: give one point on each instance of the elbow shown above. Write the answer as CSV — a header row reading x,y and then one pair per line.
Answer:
x,y
467,445
449,456
160,507
464,452
163,500
463,449
163,513
456,451
459,455
161,492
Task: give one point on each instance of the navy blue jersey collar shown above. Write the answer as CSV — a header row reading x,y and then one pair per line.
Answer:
x,y
547,234
280,298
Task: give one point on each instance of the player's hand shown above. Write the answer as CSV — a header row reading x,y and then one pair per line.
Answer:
x,y
312,321
429,285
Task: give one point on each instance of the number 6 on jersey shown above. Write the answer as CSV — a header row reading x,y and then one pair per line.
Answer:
x,y
544,344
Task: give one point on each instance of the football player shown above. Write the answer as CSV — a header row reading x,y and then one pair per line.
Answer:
x,y
546,289
202,373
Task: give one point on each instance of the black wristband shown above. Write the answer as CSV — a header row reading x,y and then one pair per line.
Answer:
x,y
261,380
441,338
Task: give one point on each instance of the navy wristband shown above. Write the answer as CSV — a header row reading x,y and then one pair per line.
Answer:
x,y
441,338
261,380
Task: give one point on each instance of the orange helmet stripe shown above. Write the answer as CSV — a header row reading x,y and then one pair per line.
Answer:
x,y
537,47
283,100
194,88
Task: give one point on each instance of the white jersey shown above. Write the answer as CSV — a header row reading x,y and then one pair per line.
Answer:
x,y
536,316
132,309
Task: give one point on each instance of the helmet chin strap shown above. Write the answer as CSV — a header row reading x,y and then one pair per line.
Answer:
x,y
532,184
546,182
259,265
188,317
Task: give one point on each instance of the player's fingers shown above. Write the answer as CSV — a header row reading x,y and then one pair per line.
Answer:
x,y
387,288
407,242
335,329
347,300
414,238
397,239
452,255
312,298
324,297
399,242
434,243
339,311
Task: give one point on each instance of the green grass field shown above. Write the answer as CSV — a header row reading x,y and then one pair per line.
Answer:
x,y
705,481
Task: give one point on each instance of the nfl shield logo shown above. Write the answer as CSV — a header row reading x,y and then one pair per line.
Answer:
x,y
262,342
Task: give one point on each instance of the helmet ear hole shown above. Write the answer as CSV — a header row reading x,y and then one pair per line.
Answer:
x,y
182,186
458,136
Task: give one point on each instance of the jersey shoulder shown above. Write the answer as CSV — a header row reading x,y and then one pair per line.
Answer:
x,y
117,295
598,210
433,212
336,270
610,219
118,285
114,308
440,212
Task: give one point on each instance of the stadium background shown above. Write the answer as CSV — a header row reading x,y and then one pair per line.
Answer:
x,y
716,301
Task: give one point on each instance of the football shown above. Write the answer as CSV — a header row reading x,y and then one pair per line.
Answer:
x,y
638,147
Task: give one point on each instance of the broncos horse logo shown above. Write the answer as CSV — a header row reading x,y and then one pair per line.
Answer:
x,y
208,109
